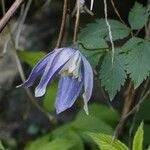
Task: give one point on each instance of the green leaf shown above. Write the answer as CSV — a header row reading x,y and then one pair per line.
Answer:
x,y
99,29
45,143
92,42
138,16
113,75
131,43
78,141
89,123
142,115
50,97
92,124
148,148
57,144
40,142
138,63
93,56
146,134
67,132
138,138
101,112
1,146
106,142
144,110
31,58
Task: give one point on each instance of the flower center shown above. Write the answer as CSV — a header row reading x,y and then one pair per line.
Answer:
x,y
73,67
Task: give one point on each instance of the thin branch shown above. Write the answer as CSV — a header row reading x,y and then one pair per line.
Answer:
x,y
31,98
116,11
22,22
62,24
77,21
127,105
109,29
19,66
13,31
9,14
136,107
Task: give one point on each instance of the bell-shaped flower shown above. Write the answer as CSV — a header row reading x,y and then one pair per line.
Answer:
x,y
75,71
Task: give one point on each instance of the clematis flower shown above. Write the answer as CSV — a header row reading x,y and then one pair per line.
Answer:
x,y
75,72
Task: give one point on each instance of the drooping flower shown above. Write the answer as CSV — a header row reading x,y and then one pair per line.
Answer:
x,y
75,71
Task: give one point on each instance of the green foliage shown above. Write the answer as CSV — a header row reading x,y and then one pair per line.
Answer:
x,y
31,58
92,56
39,143
73,133
106,142
138,63
143,115
1,146
90,42
113,75
131,43
100,30
101,112
138,138
50,97
138,16
93,124
56,144
143,111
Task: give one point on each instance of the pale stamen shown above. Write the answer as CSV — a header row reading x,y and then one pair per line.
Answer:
x,y
73,67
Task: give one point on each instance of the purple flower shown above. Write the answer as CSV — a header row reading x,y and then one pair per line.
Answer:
x,y
75,71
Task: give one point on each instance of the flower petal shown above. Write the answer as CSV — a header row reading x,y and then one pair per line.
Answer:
x,y
37,70
68,91
88,82
53,67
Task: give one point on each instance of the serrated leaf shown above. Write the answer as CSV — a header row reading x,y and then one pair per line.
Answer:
x,y
31,58
138,16
138,63
138,138
106,142
100,29
113,75
50,97
92,42
130,44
